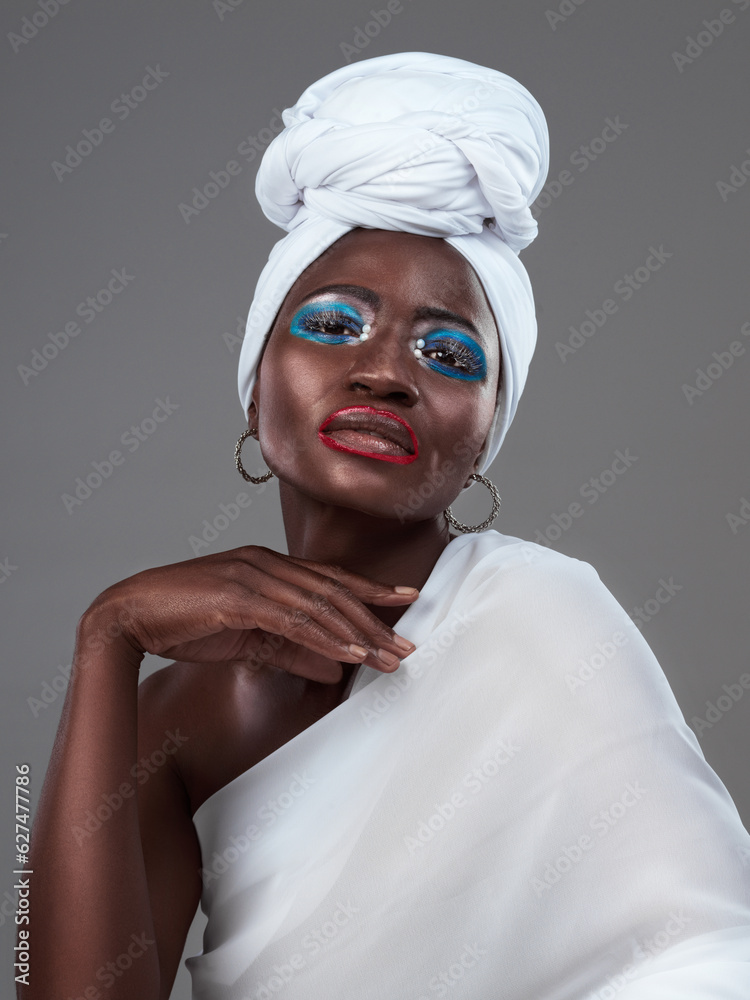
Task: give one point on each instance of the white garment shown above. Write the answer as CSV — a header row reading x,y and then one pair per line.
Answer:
x,y
520,812
417,143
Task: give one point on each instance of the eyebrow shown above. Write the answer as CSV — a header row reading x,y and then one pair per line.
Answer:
x,y
423,312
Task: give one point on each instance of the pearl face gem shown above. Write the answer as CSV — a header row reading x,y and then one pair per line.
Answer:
x,y
366,328
363,335
420,342
417,353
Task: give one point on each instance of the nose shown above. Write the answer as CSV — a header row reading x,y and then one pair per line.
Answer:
x,y
385,366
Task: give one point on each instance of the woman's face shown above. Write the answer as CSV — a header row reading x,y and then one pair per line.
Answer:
x,y
406,288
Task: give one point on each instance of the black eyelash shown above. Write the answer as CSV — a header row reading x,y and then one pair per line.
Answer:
x,y
461,353
331,322
327,321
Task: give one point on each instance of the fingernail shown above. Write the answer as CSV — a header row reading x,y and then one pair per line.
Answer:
x,y
403,643
388,658
356,650
406,590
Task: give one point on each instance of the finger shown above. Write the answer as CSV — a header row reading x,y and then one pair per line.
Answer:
x,y
278,651
256,649
323,594
290,619
267,573
369,591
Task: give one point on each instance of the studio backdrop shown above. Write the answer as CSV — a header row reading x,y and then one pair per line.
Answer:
x,y
131,242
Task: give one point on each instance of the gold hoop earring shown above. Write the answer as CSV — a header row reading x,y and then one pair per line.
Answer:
x,y
238,461
448,514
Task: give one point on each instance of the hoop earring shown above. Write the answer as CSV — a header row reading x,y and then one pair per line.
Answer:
x,y
238,461
448,514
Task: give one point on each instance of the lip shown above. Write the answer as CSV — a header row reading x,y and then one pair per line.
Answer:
x,y
399,443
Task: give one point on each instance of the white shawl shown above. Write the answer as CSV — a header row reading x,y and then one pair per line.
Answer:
x,y
520,812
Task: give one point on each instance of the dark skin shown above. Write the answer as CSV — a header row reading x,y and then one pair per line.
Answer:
x,y
300,382
261,639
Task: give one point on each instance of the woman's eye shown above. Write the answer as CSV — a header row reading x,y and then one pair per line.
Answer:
x,y
455,355
449,352
329,323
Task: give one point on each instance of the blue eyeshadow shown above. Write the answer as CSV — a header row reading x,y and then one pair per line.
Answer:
x,y
465,349
310,321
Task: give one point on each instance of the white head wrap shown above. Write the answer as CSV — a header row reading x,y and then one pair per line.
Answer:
x,y
416,143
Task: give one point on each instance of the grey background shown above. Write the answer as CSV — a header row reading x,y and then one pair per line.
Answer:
x,y
164,335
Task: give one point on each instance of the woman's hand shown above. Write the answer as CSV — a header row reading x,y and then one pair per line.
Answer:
x,y
255,605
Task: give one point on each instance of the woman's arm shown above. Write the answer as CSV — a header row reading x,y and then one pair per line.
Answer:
x,y
93,914
171,849
116,858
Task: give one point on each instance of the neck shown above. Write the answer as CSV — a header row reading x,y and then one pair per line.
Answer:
x,y
383,549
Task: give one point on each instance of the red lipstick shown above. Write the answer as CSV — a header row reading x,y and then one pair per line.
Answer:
x,y
363,430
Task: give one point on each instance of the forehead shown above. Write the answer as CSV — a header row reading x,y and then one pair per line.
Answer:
x,y
403,267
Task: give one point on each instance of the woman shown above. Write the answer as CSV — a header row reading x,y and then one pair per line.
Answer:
x,y
501,799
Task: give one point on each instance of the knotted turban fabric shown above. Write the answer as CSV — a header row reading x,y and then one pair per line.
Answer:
x,y
416,143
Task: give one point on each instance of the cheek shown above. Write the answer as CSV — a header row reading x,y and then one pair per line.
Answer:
x,y
467,444
284,377
477,416
290,391
458,429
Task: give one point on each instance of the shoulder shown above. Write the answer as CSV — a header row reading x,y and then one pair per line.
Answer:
x,y
492,577
497,560
176,684
174,693
551,609
552,615
196,710
171,707
220,719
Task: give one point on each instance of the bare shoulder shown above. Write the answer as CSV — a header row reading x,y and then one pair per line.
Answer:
x,y
168,709
184,693
222,719
197,713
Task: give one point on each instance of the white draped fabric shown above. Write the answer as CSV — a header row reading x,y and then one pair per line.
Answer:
x,y
519,812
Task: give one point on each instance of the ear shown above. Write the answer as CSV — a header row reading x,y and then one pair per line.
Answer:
x,y
475,467
252,410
